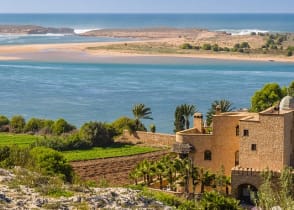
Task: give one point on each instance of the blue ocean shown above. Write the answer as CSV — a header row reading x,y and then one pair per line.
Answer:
x,y
80,92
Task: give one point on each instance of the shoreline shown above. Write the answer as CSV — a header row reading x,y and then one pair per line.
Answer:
x,y
78,52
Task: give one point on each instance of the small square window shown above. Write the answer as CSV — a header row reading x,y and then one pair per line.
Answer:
x,y
253,147
245,132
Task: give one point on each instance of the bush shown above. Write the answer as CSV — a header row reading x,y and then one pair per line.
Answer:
x,y
152,128
17,124
34,125
14,156
215,48
245,45
4,120
214,200
99,134
50,162
123,123
186,46
4,124
63,143
289,53
61,126
206,47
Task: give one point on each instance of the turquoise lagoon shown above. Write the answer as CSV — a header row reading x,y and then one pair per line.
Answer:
x,y
80,92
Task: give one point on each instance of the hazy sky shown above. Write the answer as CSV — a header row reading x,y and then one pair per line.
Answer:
x,y
147,6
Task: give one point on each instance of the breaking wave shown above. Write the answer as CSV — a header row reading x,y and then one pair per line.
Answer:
x,y
235,32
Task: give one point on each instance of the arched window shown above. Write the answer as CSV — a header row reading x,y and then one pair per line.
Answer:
x,y
237,130
237,158
207,155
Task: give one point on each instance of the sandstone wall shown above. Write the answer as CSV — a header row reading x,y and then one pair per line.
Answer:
x,y
148,138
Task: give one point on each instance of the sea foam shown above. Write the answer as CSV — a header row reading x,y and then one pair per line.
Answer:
x,y
81,31
235,32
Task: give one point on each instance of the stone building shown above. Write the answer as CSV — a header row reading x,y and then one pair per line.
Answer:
x,y
244,143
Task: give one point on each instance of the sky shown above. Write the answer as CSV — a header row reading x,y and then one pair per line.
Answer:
x,y
147,6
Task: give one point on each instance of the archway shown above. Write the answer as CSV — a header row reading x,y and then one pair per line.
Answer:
x,y
244,193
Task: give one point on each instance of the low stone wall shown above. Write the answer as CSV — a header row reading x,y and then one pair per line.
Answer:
x,y
113,170
148,138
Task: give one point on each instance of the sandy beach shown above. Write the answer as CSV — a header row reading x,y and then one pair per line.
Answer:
x,y
147,44
79,52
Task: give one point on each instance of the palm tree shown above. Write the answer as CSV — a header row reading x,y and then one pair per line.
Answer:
x,y
206,178
160,168
187,112
225,106
140,111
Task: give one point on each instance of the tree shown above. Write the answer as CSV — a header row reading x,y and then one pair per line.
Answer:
x,y
188,111
140,111
182,116
61,126
205,178
179,122
4,123
225,106
152,128
99,134
123,123
34,125
17,124
266,97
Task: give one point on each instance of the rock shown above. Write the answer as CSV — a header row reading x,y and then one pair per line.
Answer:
x,y
3,198
40,202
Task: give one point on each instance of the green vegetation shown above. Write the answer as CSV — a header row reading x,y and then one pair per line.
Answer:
x,y
61,126
39,159
97,134
17,124
7,139
224,105
186,46
140,111
152,128
176,171
182,116
266,97
276,193
114,151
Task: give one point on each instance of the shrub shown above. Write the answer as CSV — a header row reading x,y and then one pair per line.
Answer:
x,y
4,120
34,125
214,200
17,124
50,162
289,53
206,47
14,156
4,124
61,126
215,47
152,128
123,123
99,134
245,45
186,46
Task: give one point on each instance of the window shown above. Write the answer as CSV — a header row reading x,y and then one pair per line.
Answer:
x,y
237,130
207,155
245,132
237,158
253,147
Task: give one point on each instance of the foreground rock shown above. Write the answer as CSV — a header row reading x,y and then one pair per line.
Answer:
x,y
23,197
32,29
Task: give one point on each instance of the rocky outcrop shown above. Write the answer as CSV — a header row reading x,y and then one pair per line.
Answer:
x,y
32,29
23,197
